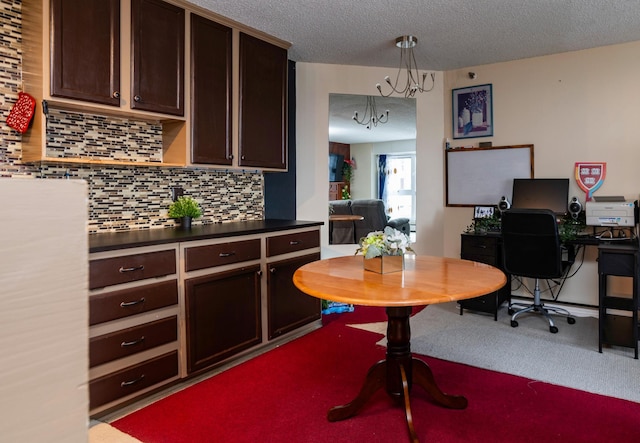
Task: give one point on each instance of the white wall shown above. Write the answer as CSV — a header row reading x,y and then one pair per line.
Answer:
x,y
577,106
314,84
363,182
44,394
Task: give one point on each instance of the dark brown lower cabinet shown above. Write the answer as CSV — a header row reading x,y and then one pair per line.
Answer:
x,y
132,379
289,308
222,315
485,249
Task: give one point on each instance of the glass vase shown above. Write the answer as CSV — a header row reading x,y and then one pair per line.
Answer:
x,y
384,264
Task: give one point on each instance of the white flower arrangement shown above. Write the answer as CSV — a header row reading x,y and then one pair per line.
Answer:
x,y
387,242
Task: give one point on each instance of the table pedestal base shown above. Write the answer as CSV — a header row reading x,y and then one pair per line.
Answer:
x,y
397,373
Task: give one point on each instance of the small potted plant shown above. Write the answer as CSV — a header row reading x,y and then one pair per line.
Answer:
x,y
384,250
185,208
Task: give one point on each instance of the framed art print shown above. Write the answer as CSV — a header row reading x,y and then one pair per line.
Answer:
x,y
472,112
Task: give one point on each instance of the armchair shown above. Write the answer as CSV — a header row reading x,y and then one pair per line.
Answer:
x,y
375,218
532,248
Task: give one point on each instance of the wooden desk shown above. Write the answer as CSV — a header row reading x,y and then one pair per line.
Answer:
x,y
345,217
342,218
425,280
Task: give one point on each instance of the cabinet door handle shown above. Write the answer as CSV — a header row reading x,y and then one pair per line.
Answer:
x,y
295,242
135,268
125,344
230,157
272,270
116,94
226,254
242,157
132,382
259,273
137,98
125,304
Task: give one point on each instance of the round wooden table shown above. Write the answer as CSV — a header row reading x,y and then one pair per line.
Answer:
x,y
425,280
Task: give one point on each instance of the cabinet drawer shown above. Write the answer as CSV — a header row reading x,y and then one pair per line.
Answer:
x,y
282,244
120,304
132,379
479,245
616,262
130,341
201,257
128,268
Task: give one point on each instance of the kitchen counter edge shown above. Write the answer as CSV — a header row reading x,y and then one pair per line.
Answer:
x,y
110,241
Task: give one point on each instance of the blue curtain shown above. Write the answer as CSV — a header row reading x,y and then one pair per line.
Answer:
x,y
382,177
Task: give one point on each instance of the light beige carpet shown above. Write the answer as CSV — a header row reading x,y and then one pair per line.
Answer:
x,y
105,433
569,358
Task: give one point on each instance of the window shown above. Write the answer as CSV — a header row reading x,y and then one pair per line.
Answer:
x,y
400,184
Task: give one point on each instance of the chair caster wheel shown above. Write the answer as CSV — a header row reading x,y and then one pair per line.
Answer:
x,y
571,320
553,329
514,324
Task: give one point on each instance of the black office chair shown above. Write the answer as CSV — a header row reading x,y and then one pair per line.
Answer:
x,y
531,248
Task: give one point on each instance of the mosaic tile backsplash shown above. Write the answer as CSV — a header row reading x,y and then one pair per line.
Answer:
x,y
120,197
124,198
75,135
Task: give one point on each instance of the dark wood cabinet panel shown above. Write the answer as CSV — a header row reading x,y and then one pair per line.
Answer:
x,y
485,249
85,50
616,328
119,344
210,92
335,190
128,268
157,44
286,243
263,93
201,257
222,316
132,301
289,308
132,379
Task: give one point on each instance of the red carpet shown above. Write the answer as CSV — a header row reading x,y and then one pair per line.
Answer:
x,y
284,395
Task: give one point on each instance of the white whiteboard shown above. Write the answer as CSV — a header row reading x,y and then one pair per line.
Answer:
x,y
481,176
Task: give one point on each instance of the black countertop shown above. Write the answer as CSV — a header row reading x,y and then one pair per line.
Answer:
x,y
110,241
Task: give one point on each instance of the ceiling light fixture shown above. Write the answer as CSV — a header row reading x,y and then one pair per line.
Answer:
x,y
370,116
414,80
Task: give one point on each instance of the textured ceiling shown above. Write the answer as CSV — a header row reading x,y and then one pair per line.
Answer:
x,y
401,124
451,33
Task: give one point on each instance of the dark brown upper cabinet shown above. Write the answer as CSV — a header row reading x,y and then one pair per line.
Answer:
x,y
263,95
85,50
157,44
210,92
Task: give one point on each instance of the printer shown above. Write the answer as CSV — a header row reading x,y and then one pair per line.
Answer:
x,y
611,211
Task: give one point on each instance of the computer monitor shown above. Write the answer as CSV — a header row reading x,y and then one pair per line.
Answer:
x,y
541,193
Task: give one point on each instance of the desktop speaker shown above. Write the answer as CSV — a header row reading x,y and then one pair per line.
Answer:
x,y
504,204
574,207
